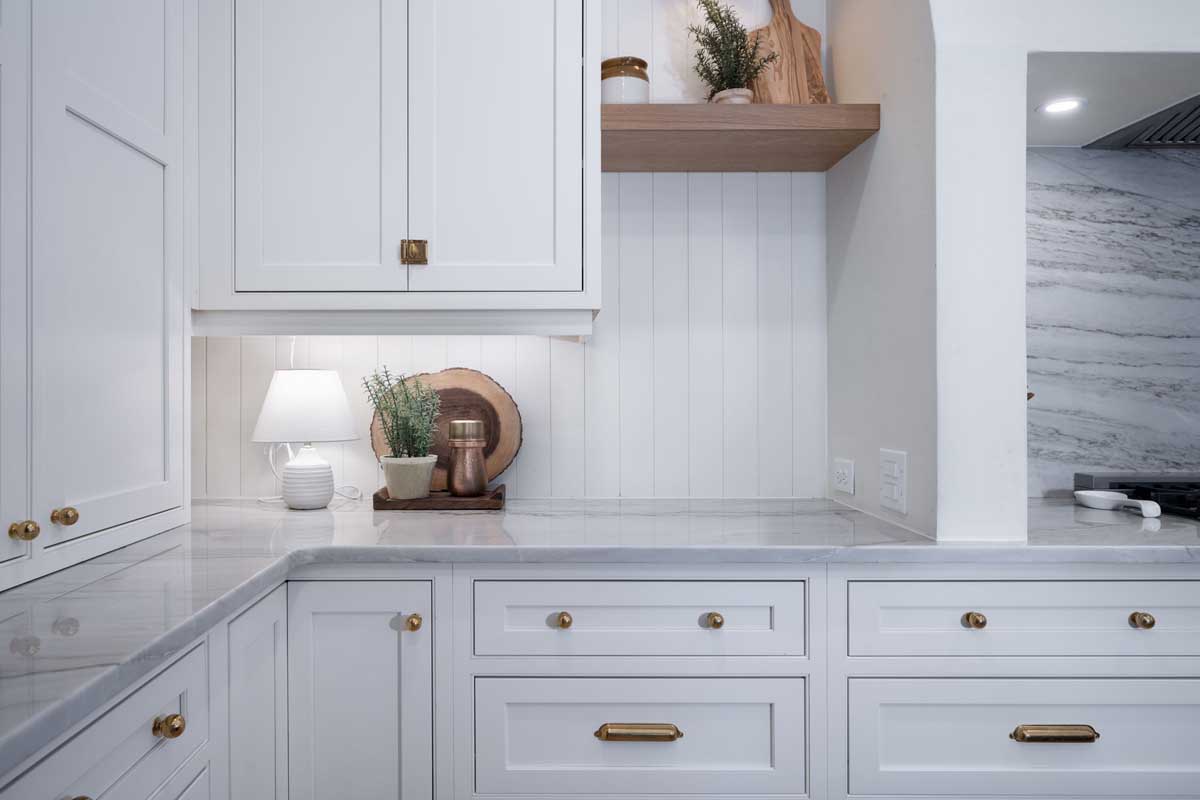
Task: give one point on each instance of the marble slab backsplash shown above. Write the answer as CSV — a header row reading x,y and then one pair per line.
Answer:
x,y
1113,312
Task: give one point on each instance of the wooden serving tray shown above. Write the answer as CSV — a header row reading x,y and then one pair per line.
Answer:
x,y
441,501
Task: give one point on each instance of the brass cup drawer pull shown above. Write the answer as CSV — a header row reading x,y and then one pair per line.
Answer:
x,y
1142,620
64,516
974,620
563,620
24,531
714,620
638,732
1055,734
170,726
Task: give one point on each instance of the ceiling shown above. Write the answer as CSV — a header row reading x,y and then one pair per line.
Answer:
x,y
1120,89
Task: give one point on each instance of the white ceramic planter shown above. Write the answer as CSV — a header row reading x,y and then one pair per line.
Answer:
x,y
408,478
733,97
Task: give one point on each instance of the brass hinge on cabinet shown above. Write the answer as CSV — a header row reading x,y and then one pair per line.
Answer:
x,y
414,251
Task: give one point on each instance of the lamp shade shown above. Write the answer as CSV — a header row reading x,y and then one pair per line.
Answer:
x,y
305,405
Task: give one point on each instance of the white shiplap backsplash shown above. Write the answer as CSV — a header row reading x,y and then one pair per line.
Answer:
x,y
706,375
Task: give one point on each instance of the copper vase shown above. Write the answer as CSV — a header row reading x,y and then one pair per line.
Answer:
x,y
468,472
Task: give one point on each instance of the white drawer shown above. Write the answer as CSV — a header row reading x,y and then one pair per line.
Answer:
x,y
951,737
119,754
1023,618
742,736
639,618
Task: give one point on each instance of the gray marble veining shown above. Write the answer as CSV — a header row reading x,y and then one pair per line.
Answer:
x,y
1113,312
73,640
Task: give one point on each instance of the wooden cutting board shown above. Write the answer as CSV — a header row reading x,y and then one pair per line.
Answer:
x,y
467,394
796,77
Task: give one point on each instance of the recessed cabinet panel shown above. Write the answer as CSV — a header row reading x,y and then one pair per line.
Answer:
x,y
951,737
320,144
496,177
107,282
1024,618
360,689
728,736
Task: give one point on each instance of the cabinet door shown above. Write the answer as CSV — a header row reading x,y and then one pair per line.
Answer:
x,y
107,263
14,272
496,127
258,700
360,690
320,143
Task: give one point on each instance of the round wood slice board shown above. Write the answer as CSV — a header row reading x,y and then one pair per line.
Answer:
x,y
467,394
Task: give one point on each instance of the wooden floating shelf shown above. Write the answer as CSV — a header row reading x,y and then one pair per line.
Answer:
x,y
702,137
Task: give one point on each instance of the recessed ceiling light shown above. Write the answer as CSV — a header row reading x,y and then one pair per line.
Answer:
x,y
1063,105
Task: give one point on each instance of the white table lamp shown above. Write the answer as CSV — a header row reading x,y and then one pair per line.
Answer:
x,y
305,406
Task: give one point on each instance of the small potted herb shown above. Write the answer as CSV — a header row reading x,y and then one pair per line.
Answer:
x,y
727,59
407,412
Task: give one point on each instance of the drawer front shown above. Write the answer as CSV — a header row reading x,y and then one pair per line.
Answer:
x,y
639,618
952,737
739,736
1023,618
119,755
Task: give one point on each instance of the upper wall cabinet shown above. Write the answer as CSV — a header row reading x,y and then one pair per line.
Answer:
x,y
92,327
332,132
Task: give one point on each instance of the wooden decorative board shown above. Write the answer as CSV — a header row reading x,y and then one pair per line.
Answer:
x,y
467,394
796,76
441,501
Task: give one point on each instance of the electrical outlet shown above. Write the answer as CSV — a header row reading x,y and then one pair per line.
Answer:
x,y
893,480
843,475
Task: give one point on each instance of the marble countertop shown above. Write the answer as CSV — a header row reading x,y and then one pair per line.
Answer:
x,y
77,638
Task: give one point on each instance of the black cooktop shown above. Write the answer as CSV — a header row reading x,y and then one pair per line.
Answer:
x,y
1177,493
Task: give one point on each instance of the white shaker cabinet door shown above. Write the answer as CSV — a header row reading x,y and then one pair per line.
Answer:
x,y
320,103
496,144
14,272
107,262
360,689
258,700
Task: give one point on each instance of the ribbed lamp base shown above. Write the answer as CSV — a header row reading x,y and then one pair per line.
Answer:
x,y
307,480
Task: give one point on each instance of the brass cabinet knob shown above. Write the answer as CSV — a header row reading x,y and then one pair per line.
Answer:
x,y
973,619
714,620
170,726
414,622
564,620
64,516
24,531
1142,620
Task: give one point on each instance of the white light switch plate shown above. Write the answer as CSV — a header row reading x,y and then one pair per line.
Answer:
x,y
893,480
843,475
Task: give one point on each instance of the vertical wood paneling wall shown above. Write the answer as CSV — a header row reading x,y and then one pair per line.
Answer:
x,y
706,374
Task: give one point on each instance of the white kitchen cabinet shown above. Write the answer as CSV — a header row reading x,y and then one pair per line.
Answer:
x,y
320,91
496,176
258,700
93,319
360,689
14,276
569,737
331,132
132,749
959,737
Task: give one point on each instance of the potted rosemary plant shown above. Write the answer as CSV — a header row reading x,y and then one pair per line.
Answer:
x,y
727,59
407,412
